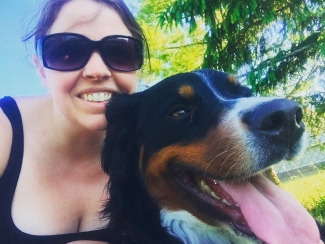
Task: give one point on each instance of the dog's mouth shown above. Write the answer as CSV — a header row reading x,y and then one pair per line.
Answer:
x,y
254,207
215,199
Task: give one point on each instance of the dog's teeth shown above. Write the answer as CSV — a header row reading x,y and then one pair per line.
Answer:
x,y
237,205
207,189
214,195
226,202
202,185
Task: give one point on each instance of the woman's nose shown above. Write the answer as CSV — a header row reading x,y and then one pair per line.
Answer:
x,y
96,69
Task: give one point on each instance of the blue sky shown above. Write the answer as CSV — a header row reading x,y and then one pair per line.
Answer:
x,y
18,76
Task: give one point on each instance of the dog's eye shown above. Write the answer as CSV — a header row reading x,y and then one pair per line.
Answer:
x,y
178,113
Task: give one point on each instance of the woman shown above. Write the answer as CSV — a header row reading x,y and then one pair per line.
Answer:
x,y
52,187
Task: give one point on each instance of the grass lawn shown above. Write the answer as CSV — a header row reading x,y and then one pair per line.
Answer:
x,y
310,191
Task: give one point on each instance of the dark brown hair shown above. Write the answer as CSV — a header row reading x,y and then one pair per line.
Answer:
x,y
50,9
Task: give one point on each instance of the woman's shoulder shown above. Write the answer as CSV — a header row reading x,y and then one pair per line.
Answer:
x,y
33,104
34,110
30,108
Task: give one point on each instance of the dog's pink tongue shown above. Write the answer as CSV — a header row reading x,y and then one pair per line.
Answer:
x,y
274,215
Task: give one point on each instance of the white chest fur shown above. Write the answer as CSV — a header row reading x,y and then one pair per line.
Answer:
x,y
191,230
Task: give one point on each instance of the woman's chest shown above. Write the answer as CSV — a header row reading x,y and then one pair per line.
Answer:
x,y
50,201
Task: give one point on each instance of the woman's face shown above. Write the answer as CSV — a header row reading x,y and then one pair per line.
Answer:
x,y
69,89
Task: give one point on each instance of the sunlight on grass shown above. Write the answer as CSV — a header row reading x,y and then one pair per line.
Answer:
x,y
310,191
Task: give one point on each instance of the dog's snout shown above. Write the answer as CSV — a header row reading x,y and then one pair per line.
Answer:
x,y
284,114
280,118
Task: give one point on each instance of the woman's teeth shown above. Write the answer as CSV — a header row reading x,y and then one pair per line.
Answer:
x,y
97,97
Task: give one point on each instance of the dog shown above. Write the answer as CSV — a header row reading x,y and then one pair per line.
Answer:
x,y
186,157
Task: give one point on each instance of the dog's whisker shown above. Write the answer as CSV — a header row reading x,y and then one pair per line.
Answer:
x,y
239,159
213,160
232,149
226,175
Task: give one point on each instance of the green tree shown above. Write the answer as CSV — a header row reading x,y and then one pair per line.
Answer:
x,y
269,42
171,51
277,47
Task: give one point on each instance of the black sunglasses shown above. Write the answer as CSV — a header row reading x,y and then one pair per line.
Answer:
x,y
71,51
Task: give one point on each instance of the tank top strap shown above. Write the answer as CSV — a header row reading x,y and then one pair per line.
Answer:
x,y
8,180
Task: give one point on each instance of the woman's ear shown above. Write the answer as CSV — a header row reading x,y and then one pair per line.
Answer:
x,y
40,70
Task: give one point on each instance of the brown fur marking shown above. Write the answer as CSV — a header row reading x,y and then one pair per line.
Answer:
x,y
233,79
186,91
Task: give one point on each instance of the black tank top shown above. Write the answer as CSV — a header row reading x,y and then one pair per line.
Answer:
x,y
9,233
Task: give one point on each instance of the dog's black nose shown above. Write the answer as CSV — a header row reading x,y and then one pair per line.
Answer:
x,y
280,119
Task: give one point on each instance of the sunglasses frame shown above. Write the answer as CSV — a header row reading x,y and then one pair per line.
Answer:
x,y
94,46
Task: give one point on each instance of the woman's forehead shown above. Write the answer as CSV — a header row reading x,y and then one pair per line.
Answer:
x,y
92,19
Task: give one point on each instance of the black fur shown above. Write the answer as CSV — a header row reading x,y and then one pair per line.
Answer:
x,y
136,220
322,231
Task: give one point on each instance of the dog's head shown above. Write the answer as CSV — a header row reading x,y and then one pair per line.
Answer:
x,y
195,143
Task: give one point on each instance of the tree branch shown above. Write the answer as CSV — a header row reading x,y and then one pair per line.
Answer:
x,y
294,53
187,45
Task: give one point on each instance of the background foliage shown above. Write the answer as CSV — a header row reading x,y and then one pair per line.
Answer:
x,y
276,47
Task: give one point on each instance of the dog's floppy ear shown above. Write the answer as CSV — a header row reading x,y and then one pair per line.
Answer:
x,y
121,114
120,155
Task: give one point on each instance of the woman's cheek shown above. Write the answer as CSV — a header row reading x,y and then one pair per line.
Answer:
x,y
61,81
127,82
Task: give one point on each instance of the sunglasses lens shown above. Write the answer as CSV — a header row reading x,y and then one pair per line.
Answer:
x,y
122,53
65,52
